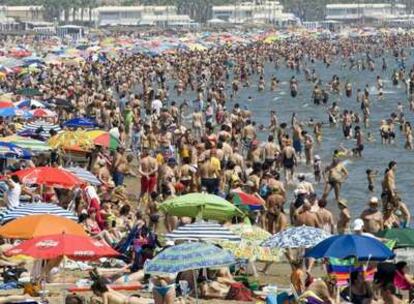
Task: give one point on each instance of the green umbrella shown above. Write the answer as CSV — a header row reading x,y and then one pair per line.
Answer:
x,y
403,236
206,206
28,92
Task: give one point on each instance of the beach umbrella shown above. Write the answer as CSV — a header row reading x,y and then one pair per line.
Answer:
x,y
29,103
43,113
250,246
49,176
26,143
29,92
6,104
36,208
75,247
296,237
250,232
62,103
188,256
85,175
77,140
31,226
202,231
42,127
81,122
9,150
33,60
404,237
206,206
12,112
246,202
250,250
361,247
104,139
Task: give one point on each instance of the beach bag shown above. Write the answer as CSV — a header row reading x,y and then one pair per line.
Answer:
x,y
239,292
32,289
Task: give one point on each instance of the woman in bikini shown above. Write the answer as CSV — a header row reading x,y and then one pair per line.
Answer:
x,y
164,289
110,296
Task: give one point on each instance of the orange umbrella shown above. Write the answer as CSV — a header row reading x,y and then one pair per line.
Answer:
x,y
39,225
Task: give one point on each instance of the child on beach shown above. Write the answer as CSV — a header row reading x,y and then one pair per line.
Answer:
x,y
317,168
371,176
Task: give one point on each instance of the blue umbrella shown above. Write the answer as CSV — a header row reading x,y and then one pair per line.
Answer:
x,y
28,103
346,246
81,122
188,256
9,150
11,112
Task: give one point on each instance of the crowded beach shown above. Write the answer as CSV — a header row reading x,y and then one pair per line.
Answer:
x,y
194,167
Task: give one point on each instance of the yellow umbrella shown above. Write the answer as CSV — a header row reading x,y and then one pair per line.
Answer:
x,y
250,250
71,140
197,47
95,133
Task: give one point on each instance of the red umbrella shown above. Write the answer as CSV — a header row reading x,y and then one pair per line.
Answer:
x,y
6,104
49,176
82,248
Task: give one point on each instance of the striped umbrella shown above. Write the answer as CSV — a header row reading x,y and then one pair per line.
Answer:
x,y
43,125
203,231
188,256
44,113
85,175
26,143
35,208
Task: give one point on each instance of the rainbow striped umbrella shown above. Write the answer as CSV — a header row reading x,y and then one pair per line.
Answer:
x,y
246,202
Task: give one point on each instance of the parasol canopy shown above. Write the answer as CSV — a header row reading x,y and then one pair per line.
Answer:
x,y
31,226
74,247
49,176
347,246
188,256
206,206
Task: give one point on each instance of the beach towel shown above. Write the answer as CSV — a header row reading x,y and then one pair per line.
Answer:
x,y
239,292
125,244
341,270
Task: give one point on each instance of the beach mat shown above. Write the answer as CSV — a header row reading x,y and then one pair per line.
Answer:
x,y
126,287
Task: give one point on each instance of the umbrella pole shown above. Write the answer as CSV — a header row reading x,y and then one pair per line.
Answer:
x,y
195,286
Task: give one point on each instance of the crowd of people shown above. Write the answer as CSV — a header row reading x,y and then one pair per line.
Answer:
x,y
206,139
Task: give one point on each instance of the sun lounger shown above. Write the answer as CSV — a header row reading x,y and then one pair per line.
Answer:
x,y
126,287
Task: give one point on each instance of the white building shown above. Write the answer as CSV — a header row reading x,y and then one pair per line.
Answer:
x,y
140,15
265,12
362,11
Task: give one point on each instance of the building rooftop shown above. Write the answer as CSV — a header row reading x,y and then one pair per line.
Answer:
x,y
22,7
132,8
364,5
